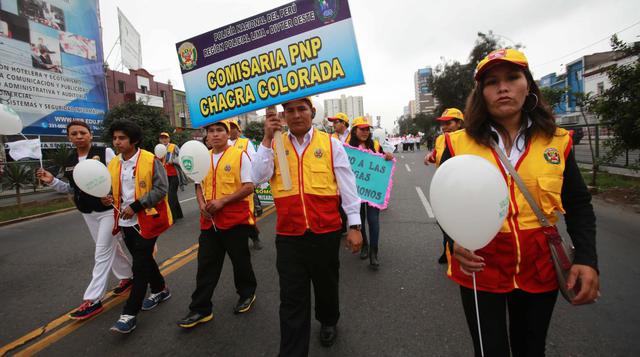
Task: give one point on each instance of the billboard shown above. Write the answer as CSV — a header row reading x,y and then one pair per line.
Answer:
x,y
129,43
295,50
51,63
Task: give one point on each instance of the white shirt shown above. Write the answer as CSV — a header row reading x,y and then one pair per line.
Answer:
x,y
263,167
245,168
251,150
343,136
517,149
128,187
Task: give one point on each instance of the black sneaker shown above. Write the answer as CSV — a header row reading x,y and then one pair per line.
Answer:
x,y
194,318
124,286
86,310
244,304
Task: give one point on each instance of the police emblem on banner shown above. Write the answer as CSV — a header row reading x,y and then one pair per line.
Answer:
x,y
327,10
318,153
552,156
227,168
188,56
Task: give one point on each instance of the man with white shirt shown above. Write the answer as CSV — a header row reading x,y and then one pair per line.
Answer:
x,y
139,187
340,127
308,222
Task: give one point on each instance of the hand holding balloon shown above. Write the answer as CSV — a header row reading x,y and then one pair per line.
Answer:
x,y
469,262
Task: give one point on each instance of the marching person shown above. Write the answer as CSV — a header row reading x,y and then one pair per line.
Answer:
x,y
226,218
171,163
244,144
108,254
308,223
451,120
514,272
139,193
361,138
340,127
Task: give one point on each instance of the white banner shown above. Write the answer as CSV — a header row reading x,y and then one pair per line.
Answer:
x,y
130,44
23,149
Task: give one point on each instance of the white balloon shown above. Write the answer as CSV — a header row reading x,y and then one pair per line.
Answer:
x,y
378,134
195,160
160,151
10,123
92,177
470,200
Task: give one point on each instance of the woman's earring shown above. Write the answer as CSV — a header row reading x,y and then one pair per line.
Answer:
x,y
534,105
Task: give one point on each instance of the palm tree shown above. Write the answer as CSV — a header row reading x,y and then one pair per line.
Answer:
x,y
17,176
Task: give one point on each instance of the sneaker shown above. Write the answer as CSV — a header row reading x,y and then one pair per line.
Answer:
x,y
154,299
86,310
244,304
124,286
125,324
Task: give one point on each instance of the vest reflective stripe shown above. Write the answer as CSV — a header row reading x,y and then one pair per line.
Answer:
x,y
519,257
222,181
152,221
313,201
169,167
241,144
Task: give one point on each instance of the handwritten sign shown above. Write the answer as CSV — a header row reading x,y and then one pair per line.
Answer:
x,y
296,50
374,176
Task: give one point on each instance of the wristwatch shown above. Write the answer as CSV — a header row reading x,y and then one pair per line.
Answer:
x,y
357,227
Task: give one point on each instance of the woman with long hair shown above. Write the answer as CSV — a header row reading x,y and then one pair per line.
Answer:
x,y
362,138
515,276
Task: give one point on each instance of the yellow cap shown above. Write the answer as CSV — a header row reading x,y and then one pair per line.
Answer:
x,y
234,122
340,116
451,113
308,99
225,122
361,122
164,133
502,55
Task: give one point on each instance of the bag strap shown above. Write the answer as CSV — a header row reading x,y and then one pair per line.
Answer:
x,y
523,188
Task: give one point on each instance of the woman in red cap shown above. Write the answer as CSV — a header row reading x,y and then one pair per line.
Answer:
x,y
514,272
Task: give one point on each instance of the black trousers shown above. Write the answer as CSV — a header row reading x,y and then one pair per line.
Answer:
x,y
302,260
144,267
172,196
529,318
213,247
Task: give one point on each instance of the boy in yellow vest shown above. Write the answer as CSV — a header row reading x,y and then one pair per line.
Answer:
x,y
226,208
170,162
139,194
308,223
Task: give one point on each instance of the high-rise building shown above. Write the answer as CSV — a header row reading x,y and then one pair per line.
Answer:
x,y
351,105
425,102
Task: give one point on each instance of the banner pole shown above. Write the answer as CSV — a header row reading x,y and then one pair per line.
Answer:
x,y
280,153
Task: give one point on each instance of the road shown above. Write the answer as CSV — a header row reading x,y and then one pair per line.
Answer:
x,y
407,308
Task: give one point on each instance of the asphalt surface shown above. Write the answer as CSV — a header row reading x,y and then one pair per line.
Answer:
x,y
407,308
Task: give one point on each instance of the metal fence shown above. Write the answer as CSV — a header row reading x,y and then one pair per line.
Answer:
x,y
599,135
33,184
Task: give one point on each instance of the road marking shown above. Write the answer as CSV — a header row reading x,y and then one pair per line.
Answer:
x,y
408,168
109,301
188,199
425,203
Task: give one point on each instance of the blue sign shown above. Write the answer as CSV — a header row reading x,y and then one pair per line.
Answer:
x,y
374,176
296,50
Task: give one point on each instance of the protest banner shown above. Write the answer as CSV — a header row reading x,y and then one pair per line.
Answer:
x,y
296,50
374,175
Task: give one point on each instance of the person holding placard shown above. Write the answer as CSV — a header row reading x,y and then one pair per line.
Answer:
x,y
139,187
514,272
308,223
451,120
108,254
170,162
362,138
226,219
244,144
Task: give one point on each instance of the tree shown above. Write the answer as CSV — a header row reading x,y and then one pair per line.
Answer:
x,y
254,130
152,120
17,176
619,106
553,96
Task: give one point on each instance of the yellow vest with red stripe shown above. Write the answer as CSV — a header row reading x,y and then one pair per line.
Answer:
x,y
224,180
169,167
439,149
518,257
152,221
242,144
312,204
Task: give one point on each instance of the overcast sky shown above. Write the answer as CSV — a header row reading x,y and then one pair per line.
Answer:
x,y
395,38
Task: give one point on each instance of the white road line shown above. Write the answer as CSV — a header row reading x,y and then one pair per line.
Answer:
x,y
425,203
408,168
188,199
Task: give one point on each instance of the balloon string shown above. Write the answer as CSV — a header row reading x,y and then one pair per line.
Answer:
x,y
475,295
119,213
212,222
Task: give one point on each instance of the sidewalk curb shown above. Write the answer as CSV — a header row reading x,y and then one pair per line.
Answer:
x,y
40,215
